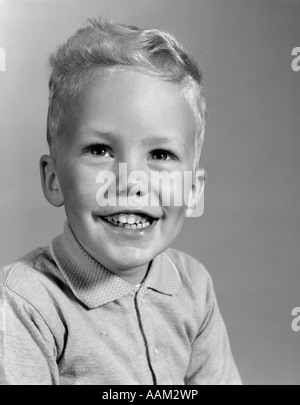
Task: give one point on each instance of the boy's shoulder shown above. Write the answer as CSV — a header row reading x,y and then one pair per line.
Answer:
x,y
190,269
31,277
197,290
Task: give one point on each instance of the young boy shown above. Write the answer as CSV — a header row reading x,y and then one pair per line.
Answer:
x,y
109,302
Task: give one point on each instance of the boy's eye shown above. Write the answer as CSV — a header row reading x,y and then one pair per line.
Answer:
x,y
97,150
161,154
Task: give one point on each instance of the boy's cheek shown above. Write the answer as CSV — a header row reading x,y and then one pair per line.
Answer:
x,y
80,191
173,193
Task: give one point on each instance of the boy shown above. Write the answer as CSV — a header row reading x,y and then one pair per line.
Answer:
x,y
109,302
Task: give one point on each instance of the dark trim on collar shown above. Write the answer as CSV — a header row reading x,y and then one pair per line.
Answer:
x,y
94,285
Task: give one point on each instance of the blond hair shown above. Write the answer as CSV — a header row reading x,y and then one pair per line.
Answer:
x,y
103,44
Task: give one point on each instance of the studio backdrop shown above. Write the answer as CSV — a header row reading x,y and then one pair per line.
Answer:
x,y
248,237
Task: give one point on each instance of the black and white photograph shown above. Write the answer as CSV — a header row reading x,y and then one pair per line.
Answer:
x,y
149,194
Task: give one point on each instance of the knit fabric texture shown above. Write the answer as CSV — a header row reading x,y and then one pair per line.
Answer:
x,y
66,320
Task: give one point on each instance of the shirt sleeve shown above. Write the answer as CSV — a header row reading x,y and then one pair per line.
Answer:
x,y
28,350
212,362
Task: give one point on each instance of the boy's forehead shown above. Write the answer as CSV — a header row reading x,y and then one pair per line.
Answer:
x,y
129,102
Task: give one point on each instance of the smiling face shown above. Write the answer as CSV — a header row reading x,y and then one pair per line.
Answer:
x,y
124,117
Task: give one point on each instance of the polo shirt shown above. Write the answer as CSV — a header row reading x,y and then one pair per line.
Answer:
x,y
66,320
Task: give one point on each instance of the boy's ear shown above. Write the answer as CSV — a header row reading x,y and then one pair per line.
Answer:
x,y
50,183
195,206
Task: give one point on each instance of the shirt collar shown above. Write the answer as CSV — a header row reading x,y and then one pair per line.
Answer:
x,y
94,285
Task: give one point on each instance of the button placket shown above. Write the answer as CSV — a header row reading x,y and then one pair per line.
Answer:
x,y
146,333
142,295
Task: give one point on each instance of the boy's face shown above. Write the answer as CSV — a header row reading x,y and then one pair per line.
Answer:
x,y
124,117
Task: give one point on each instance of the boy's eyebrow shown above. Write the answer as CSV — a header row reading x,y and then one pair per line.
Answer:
x,y
147,141
165,139
161,139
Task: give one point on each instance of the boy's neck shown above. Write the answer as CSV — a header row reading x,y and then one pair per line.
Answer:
x,y
135,276
132,276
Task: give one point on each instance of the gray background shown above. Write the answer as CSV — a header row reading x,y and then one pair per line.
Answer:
x,y
248,237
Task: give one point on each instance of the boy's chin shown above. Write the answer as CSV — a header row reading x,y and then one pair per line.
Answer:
x,y
121,258
127,261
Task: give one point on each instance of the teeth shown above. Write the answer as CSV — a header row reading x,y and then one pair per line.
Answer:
x,y
122,219
129,219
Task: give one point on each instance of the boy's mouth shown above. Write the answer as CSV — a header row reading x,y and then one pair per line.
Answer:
x,y
137,221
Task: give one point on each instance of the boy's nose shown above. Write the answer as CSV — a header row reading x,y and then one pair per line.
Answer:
x,y
132,173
